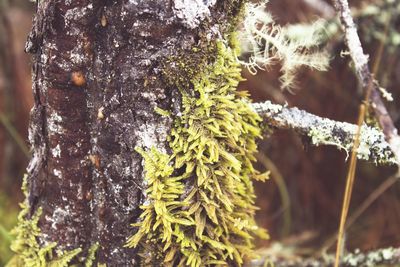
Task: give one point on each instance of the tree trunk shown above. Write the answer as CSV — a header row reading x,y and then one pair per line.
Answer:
x,y
98,76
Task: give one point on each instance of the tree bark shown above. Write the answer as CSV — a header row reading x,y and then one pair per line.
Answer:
x,y
97,78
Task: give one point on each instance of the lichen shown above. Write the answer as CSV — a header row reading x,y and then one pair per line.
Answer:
x,y
371,141
266,43
29,252
323,131
370,259
192,12
199,207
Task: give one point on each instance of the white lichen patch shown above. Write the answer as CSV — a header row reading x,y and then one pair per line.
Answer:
x,y
133,2
44,57
77,56
395,146
56,152
57,173
323,131
371,258
192,12
75,14
54,122
152,135
58,217
353,41
267,108
371,140
80,191
36,157
150,96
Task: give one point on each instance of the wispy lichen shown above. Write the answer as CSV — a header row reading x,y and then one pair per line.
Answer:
x,y
199,208
267,43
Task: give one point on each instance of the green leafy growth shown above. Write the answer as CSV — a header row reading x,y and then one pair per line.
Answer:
x,y
8,219
28,252
162,112
199,208
91,255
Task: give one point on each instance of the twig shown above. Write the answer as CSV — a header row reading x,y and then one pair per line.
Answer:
x,y
365,77
380,190
323,131
371,92
349,186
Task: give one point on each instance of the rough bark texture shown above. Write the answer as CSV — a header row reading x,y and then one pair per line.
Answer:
x,y
98,75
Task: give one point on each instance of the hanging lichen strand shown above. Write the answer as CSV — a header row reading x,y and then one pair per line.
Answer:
x,y
205,215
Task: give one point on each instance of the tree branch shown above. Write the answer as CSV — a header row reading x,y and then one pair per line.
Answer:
x,y
372,258
323,131
364,75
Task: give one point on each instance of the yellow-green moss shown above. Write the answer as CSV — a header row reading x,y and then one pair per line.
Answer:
x,y
199,208
181,69
8,219
29,253
91,256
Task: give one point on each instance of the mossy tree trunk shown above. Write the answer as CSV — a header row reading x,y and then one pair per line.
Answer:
x,y
98,75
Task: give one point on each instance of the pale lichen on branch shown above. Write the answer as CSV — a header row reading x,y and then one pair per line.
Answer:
x,y
323,131
380,257
360,61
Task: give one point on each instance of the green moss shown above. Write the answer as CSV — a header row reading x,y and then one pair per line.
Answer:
x,y
91,256
199,208
162,112
181,69
8,219
28,251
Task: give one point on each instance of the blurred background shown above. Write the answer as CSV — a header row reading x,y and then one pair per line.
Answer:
x,y
300,205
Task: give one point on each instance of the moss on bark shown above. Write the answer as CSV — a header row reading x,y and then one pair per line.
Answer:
x,y
199,208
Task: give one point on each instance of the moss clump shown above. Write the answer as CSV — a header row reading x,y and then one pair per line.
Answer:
x,y
8,219
28,251
179,70
199,208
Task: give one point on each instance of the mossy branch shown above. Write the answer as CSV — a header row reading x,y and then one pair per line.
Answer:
x,y
323,131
